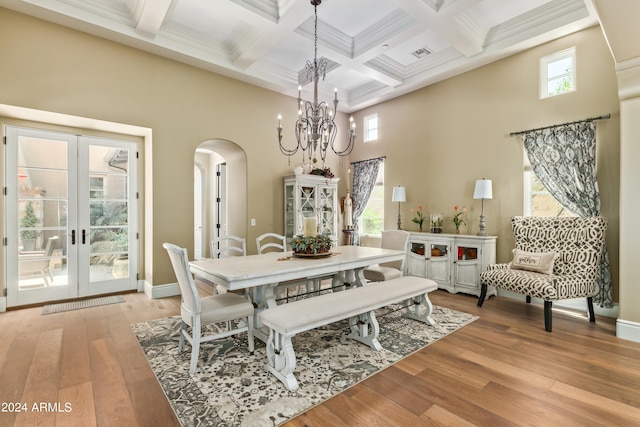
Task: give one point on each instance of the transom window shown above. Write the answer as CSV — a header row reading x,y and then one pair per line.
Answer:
x,y
370,128
558,73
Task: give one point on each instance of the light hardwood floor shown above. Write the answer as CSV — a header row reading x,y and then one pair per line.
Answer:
x,y
501,370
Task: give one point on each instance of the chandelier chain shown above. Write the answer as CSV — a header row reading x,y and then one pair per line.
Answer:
x,y
315,128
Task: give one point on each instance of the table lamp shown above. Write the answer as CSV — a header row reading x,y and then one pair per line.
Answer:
x,y
483,191
399,196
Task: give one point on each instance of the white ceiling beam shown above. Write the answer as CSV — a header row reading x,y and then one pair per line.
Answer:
x,y
453,22
252,47
149,15
471,34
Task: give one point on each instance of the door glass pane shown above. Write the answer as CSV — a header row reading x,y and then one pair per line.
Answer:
x,y
308,199
438,250
326,211
42,213
109,213
289,211
466,253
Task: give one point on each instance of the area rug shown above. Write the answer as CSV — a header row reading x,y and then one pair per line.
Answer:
x,y
85,303
231,387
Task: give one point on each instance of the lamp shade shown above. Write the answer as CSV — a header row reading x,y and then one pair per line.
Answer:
x,y
398,194
483,189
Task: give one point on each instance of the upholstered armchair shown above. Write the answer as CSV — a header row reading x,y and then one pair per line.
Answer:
x,y
554,259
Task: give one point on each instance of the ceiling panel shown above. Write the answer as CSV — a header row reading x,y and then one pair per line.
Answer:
x,y
378,49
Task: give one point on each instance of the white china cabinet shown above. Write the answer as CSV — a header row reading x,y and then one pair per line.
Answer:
x,y
311,193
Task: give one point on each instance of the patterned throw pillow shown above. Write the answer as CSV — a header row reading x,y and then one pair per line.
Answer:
x,y
533,261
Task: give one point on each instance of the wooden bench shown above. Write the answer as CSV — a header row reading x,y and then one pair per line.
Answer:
x,y
356,304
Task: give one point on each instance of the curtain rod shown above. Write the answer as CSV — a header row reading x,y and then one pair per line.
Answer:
x,y
603,117
375,158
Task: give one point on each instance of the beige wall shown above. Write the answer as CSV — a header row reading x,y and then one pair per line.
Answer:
x,y
52,68
442,138
629,208
437,140
618,20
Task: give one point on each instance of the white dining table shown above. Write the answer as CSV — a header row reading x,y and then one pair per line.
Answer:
x,y
259,275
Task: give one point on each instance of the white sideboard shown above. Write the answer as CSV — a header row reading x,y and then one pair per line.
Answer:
x,y
453,261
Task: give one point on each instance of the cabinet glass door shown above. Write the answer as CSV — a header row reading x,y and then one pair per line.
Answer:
x,y
289,211
327,210
307,203
416,262
439,265
467,265
467,253
417,248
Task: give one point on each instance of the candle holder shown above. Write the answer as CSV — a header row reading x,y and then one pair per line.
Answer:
x,y
309,223
436,223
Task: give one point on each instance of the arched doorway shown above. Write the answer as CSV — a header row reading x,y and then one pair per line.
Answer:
x,y
222,196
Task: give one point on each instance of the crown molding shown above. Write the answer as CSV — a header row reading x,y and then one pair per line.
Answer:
x,y
628,74
266,8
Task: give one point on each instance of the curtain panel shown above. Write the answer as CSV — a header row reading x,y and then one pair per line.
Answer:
x,y
564,159
364,179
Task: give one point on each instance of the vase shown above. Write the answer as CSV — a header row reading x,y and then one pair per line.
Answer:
x,y
457,231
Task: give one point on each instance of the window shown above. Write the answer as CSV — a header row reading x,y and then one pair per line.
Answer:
x,y
558,73
371,222
537,199
371,128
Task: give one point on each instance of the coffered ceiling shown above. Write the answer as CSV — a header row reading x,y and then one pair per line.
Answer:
x,y
376,49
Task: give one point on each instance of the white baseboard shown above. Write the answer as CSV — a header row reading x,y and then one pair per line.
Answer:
x,y
161,291
628,330
153,292
625,329
576,304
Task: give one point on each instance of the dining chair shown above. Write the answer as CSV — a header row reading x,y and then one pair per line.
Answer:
x,y
196,312
393,239
227,246
271,242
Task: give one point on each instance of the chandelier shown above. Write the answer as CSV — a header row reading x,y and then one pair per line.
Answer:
x,y
315,127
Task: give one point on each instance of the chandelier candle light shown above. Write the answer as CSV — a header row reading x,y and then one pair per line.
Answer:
x,y
315,127
483,191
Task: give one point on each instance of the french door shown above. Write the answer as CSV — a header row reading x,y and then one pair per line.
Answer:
x,y
71,216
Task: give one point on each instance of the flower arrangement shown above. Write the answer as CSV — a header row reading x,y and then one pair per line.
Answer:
x,y
419,218
320,243
457,217
326,172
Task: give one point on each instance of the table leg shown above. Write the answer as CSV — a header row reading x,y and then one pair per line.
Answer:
x,y
337,283
265,298
359,277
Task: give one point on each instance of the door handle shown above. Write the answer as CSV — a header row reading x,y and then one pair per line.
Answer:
x,y
84,236
73,237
